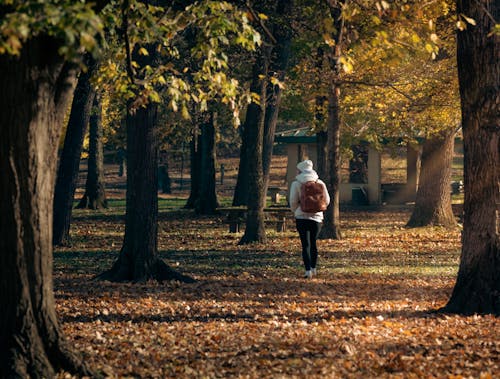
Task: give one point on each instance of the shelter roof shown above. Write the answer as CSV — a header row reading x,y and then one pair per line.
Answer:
x,y
298,135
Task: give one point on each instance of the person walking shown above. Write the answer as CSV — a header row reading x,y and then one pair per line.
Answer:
x,y
308,223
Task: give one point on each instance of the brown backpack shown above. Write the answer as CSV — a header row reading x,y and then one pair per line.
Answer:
x,y
312,197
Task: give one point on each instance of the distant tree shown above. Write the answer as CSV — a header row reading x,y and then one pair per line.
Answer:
x,y
95,190
240,196
69,162
433,201
268,75
164,176
278,65
331,227
207,202
254,124
477,289
203,193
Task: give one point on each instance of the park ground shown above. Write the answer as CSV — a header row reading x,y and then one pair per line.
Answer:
x,y
369,313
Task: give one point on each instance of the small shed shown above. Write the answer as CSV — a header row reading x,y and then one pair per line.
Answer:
x,y
301,144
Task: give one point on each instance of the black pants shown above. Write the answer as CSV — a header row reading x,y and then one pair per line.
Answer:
x,y
308,232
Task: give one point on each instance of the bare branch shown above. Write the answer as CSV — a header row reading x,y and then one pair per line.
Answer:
x,y
261,23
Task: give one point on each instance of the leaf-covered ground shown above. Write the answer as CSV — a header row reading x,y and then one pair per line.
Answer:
x,y
368,314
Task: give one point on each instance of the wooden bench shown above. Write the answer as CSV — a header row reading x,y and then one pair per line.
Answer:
x,y
236,216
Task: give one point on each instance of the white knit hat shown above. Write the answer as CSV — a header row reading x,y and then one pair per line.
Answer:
x,y
306,165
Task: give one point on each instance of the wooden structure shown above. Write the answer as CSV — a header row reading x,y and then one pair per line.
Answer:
x,y
303,145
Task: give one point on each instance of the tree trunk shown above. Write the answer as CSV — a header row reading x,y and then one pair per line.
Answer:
x,y
164,177
69,163
195,170
254,230
207,201
433,201
278,66
241,189
331,225
321,135
36,91
95,193
477,289
138,260
322,153
122,162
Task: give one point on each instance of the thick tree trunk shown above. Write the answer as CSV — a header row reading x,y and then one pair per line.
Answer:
x,y
95,193
207,202
138,260
195,170
433,201
477,289
254,230
69,163
36,90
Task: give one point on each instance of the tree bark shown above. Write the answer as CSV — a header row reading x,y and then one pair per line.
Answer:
x,y
164,177
477,289
195,169
322,153
36,91
240,196
69,163
319,120
138,260
207,201
95,192
331,225
254,230
433,201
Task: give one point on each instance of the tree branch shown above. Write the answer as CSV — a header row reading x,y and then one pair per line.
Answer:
x,y
130,69
261,23
372,84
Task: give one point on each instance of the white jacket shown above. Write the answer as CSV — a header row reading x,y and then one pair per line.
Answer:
x,y
305,176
